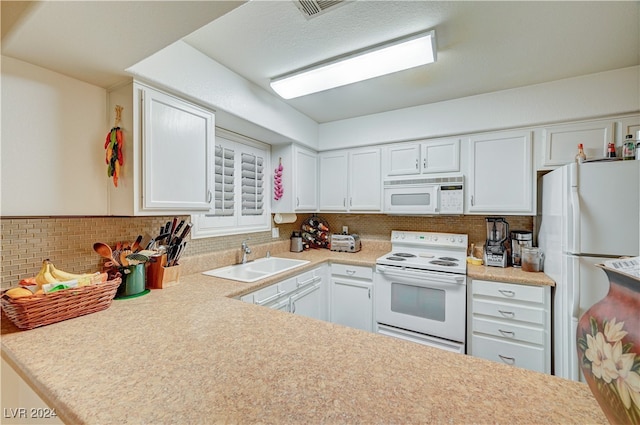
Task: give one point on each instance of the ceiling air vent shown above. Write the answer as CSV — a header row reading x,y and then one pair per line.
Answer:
x,y
312,8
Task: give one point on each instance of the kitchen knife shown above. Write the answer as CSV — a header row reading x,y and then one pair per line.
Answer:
x,y
185,232
175,233
173,227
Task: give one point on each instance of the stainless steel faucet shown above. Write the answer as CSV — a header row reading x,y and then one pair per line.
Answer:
x,y
245,250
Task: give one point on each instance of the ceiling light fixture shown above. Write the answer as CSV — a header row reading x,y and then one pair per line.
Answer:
x,y
396,55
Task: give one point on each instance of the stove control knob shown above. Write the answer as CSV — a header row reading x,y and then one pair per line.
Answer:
x,y
460,239
452,239
435,239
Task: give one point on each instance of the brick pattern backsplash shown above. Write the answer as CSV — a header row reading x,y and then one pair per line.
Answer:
x,y
68,241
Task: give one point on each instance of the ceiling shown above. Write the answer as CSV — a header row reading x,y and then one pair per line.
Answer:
x,y
482,46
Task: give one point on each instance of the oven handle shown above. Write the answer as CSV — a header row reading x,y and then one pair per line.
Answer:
x,y
415,274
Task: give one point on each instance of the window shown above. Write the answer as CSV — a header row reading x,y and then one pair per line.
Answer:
x,y
240,188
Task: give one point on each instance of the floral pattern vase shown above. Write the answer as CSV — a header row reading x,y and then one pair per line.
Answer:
x,y
608,344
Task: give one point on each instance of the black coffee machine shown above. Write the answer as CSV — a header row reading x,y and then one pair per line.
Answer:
x,y
497,249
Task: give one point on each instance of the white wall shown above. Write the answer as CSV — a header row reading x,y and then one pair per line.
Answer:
x,y
238,102
608,93
53,130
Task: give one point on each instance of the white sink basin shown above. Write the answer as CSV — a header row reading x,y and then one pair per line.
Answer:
x,y
257,269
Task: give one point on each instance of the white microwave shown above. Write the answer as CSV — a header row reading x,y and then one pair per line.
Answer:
x,y
424,196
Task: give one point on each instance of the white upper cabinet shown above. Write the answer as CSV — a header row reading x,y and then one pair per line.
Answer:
x,y
402,159
168,151
427,157
299,179
560,142
334,190
500,178
365,180
350,180
176,146
441,156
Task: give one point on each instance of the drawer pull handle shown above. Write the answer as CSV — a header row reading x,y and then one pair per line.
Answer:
x,y
507,360
507,313
351,272
510,334
507,293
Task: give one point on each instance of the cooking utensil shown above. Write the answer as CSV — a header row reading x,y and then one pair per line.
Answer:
x,y
137,258
123,258
103,249
135,247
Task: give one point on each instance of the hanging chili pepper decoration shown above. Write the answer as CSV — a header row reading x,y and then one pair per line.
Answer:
x,y
114,145
277,182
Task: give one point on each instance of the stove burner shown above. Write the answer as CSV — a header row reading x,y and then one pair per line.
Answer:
x,y
395,258
403,254
448,259
443,263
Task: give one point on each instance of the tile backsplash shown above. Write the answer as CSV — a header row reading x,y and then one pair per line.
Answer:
x,y
68,241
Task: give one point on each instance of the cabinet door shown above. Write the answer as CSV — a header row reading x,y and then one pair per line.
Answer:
x,y
308,302
351,304
365,180
441,156
500,174
402,160
561,141
177,150
306,175
333,181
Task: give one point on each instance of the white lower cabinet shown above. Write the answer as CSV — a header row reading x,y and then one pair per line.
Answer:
x,y
352,296
304,294
510,323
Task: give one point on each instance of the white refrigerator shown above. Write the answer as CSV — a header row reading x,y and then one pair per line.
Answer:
x,y
587,213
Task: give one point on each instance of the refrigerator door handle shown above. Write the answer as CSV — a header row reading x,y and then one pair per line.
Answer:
x,y
575,279
574,228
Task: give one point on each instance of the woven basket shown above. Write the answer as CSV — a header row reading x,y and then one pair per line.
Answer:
x,y
44,309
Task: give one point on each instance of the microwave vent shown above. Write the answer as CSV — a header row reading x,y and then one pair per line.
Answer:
x,y
313,8
433,180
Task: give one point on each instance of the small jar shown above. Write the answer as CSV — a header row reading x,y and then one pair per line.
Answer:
x,y
629,148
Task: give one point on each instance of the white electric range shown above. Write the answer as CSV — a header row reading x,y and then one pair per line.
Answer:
x,y
420,289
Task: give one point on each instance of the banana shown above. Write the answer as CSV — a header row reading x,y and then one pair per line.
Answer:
x,y
48,276
40,278
61,275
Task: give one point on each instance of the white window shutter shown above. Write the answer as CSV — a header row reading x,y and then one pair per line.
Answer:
x,y
252,184
224,181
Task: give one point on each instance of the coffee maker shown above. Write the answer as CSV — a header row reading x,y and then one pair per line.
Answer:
x,y
496,247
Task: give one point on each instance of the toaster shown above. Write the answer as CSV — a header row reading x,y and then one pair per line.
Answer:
x,y
345,243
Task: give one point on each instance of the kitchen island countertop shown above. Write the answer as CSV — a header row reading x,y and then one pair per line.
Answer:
x,y
191,354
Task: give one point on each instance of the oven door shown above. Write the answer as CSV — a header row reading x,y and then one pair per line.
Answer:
x,y
411,199
426,302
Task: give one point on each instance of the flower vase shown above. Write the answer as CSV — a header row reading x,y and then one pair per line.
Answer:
x,y
608,344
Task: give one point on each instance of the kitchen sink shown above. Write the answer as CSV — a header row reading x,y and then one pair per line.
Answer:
x,y
257,269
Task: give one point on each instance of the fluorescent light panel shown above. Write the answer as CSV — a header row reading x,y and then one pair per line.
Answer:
x,y
398,55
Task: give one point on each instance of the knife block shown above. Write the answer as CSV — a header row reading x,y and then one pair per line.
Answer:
x,y
159,275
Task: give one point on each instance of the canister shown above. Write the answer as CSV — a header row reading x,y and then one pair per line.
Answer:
x,y
519,239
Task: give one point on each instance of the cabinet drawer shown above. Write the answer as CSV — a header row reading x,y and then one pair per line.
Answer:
x,y
510,353
359,272
510,331
508,291
266,295
510,311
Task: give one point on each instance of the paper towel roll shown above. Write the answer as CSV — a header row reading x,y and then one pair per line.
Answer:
x,y
284,218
